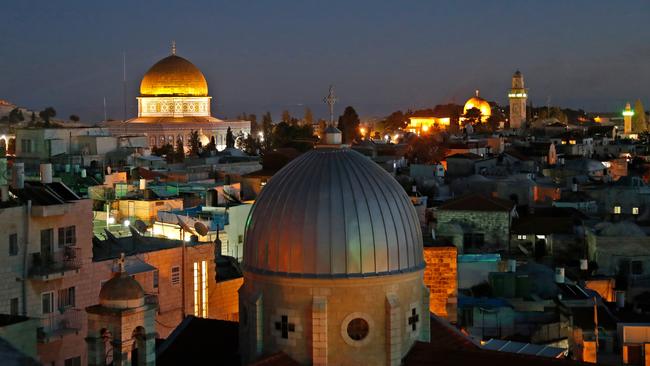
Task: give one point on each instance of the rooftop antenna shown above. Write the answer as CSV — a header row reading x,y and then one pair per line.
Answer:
x,y
124,88
330,100
105,118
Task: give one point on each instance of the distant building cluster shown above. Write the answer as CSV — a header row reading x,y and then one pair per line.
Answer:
x,y
463,234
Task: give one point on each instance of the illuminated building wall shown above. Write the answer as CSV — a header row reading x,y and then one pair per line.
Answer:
x,y
173,106
441,277
424,125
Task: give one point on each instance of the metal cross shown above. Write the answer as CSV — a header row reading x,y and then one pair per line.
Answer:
x,y
330,100
285,327
414,319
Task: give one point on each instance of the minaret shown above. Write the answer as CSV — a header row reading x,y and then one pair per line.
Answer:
x,y
628,113
518,96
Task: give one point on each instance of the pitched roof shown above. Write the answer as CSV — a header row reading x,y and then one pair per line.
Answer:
x,y
449,347
477,202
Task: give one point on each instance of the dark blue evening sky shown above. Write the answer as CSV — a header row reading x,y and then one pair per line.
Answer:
x,y
380,55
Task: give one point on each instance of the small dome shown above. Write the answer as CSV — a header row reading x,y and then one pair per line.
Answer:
x,y
174,76
121,292
331,213
479,103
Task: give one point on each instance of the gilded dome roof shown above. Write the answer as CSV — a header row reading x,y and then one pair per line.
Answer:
x,y
174,76
121,291
332,213
479,103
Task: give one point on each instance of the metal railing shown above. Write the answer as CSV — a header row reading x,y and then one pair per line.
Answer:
x,y
67,259
60,323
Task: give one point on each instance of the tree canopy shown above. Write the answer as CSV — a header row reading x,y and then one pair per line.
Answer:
x,y
349,125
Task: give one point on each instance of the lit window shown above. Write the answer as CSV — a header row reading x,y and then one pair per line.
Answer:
x,y
572,142
635,210
617,209
201,289
521,237
204,288
196,289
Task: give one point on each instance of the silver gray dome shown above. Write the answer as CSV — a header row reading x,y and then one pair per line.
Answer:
x,y
333,213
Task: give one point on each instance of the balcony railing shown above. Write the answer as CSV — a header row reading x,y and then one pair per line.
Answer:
x,y
58,324
48,265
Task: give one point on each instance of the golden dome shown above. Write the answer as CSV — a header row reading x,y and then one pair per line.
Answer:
x,y
174,76
479,103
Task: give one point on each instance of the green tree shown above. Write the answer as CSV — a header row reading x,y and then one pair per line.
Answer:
x,y
349,125
424,150
473,115
195,143
166,151
179,154
639,123
47,114
322,126
286,116
230,139
395,121
212,145
254,127
308,118
16,115
33,117
267,131
74,118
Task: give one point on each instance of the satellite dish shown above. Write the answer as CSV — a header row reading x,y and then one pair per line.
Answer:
x,y
200,228
140,226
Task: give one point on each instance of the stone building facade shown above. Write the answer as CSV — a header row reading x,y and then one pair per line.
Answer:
x,y
441,277
476,223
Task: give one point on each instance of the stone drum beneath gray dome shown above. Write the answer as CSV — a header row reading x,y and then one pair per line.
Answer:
x,y
332,213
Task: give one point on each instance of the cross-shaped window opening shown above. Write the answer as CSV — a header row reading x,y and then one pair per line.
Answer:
x,y
414,319
285,327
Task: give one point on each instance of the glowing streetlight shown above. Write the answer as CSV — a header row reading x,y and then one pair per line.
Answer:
x,y
260,135
111,220
127,223
362,130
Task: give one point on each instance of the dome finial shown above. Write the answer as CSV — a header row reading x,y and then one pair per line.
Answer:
x,y
476,93
173,47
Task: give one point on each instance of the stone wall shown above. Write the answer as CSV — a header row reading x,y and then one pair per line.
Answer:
x,y
226,295
441,277
494,225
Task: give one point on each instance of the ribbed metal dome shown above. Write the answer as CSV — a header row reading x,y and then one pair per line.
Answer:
x,y
333,213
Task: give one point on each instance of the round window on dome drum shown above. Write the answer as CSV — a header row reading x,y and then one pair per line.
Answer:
x,y
358,329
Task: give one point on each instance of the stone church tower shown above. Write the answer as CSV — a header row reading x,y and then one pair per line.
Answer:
x,y
518,96
333,264
121,329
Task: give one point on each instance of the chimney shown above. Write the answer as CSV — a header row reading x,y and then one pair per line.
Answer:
x,y
46,173
559,274
18,176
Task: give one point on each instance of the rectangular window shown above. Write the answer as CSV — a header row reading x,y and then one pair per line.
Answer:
x,y
637,267
204,288
13,244
67,298
13,306
521,237
74,361
635,210
201,289
26,145
240,239
47,240
617,209
155,279
47,302
67,236
176,275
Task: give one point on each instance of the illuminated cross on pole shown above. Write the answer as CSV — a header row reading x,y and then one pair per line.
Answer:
x,y
330,100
